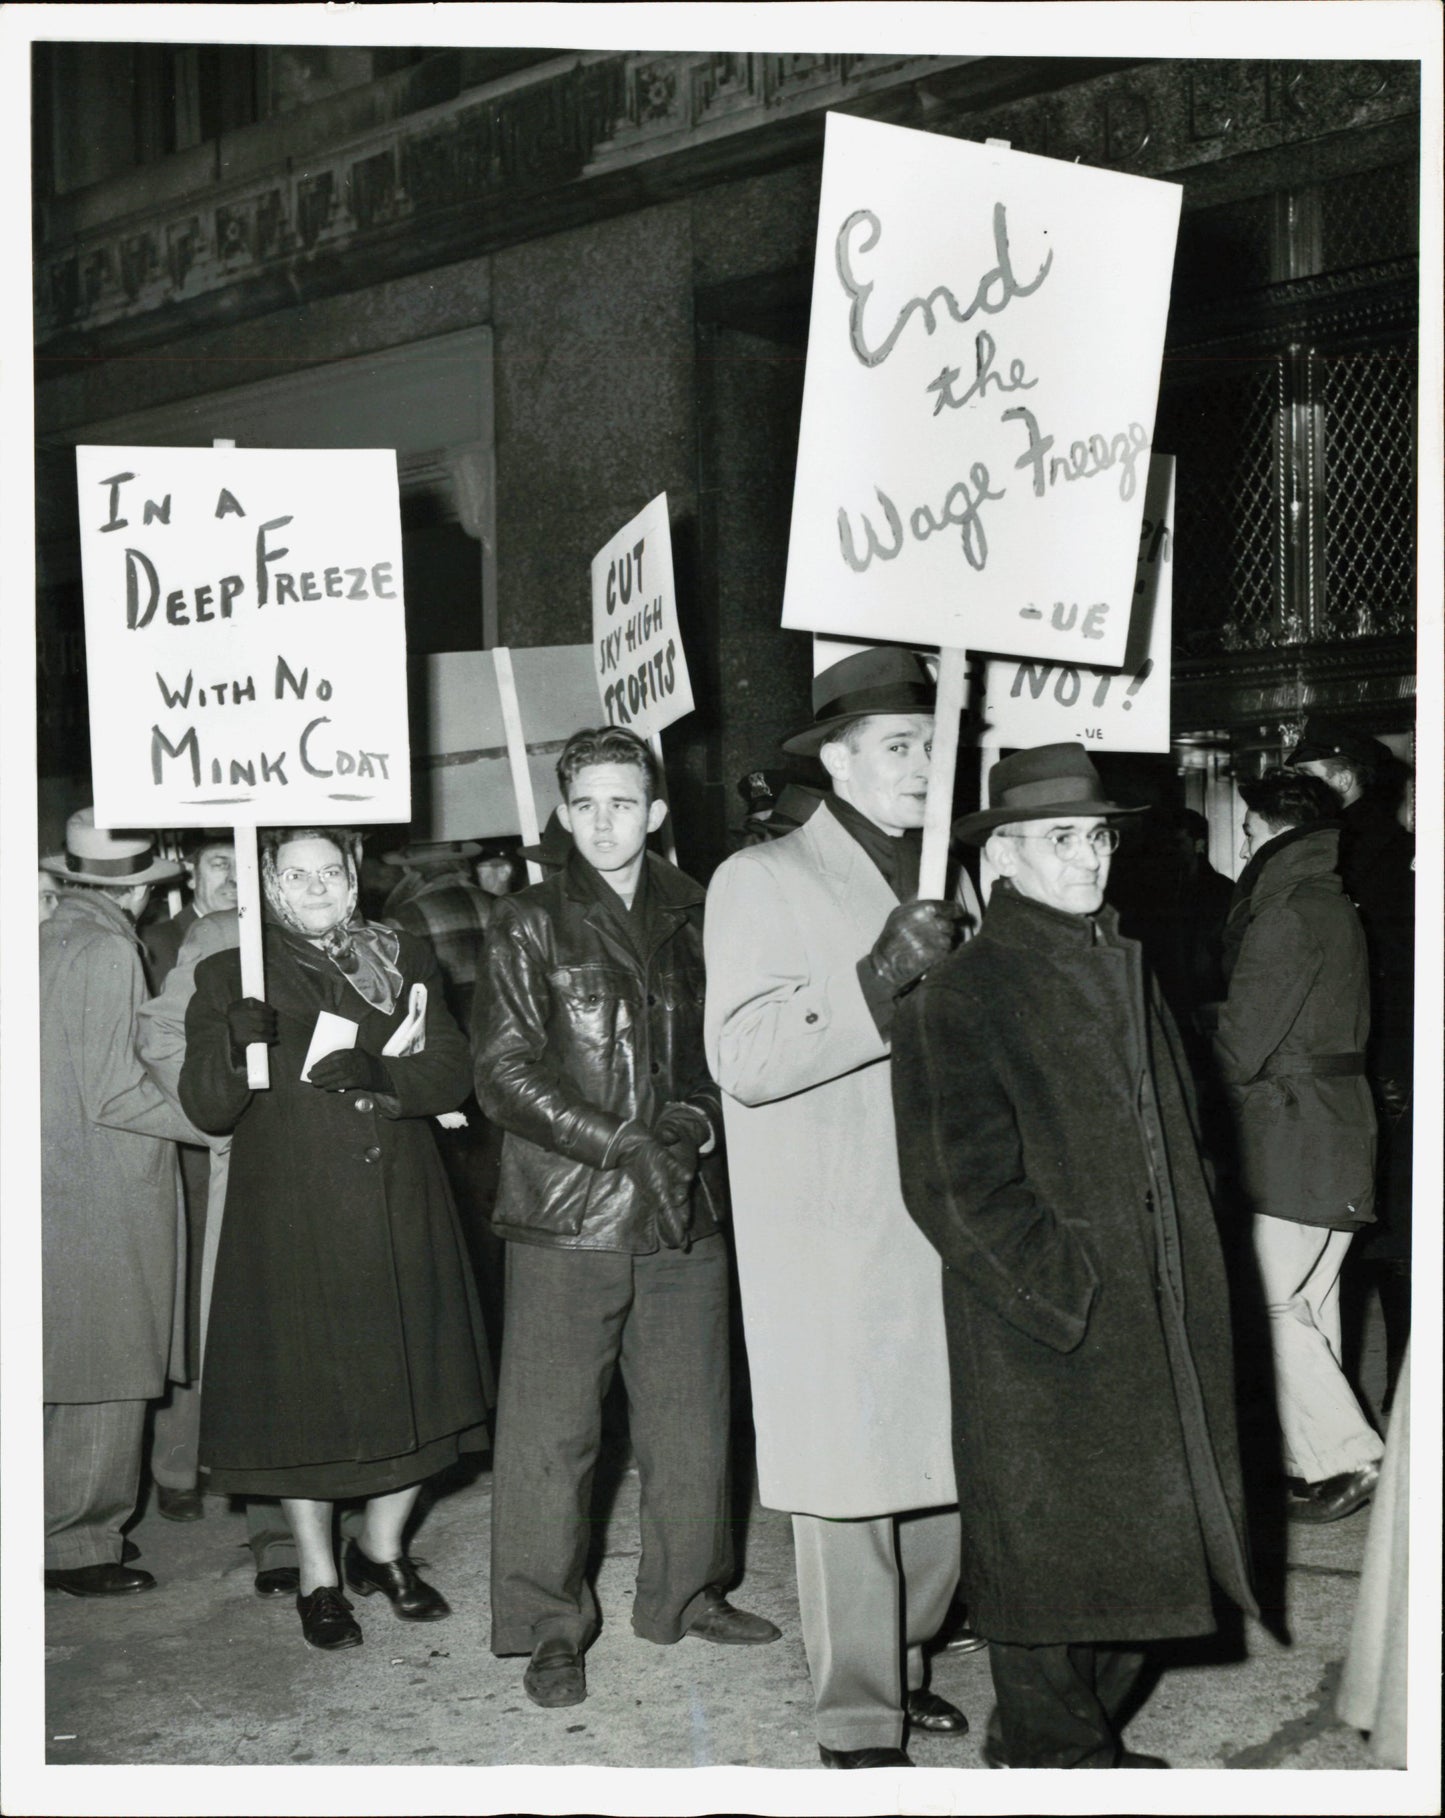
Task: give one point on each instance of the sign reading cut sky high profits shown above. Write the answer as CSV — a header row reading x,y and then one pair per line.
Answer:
x,y
1040,701
978,405
245,637
641,665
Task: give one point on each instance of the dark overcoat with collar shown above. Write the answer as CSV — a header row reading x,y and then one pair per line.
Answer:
x,y
1299,991
1047,1149
575,1033
344,1324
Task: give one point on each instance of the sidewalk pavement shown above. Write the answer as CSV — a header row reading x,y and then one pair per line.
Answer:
x,y
202,1671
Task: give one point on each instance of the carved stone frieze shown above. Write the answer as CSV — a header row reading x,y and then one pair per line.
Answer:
x,y
564,133
1171,116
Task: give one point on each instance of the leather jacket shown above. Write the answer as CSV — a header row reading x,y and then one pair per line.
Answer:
x,y
574,1036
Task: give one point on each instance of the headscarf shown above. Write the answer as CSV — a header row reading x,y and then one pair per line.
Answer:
x,y
363,952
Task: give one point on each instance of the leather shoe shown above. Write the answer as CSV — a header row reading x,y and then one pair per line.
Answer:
x,y
410,1596
994,1757
1336,1496
108,1580
956,1637
863,1758
180,1505
717,1620
555,1674
278,1581
326,1619
927,1711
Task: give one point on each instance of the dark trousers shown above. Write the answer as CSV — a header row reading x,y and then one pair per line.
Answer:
x,y
573,1317
1059,1706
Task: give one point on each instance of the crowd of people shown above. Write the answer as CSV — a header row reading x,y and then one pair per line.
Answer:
x,y
1001,1188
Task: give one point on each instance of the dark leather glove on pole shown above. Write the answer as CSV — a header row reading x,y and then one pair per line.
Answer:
x,y
249,1019
915,937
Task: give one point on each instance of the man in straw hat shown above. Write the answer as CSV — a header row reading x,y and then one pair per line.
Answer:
x,y
1047,1146
112,1222
810,939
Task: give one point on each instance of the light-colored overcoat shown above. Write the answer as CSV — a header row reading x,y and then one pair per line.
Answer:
x,y
112,1217
160,1044
841,1293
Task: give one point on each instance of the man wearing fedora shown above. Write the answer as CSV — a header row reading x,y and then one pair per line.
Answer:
x,y
810,939
112,1223
1048,1152
1377,868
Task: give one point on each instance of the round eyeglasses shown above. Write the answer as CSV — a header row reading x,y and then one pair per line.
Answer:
x,y
329,876
1069,843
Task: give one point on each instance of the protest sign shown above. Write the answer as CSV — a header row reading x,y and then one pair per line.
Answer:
x,y
245,636
978,404
1037,701
463,781
641,665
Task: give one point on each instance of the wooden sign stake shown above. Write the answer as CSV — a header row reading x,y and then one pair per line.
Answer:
x,y
938,810
517,755
988,755
669,840
248,915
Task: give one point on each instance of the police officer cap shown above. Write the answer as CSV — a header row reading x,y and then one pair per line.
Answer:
x,y
1326,738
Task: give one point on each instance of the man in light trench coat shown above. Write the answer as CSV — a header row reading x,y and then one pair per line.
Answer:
x,y
808,940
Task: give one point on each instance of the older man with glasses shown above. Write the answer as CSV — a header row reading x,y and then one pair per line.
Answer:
x,y
1047,1150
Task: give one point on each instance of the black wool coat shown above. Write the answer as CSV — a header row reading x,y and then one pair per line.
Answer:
x,y
1047,1149
344,1324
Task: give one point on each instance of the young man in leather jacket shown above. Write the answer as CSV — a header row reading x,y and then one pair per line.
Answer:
x,y
587,1034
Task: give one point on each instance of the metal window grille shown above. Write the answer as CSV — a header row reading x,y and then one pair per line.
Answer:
x,y
1229,570
1362,403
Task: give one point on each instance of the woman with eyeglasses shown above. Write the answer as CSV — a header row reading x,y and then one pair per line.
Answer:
x,y
344,1355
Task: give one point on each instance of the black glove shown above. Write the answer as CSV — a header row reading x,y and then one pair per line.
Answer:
x,y
1393,1096
249,1019
915,937
663,1175
350,1070
680,1123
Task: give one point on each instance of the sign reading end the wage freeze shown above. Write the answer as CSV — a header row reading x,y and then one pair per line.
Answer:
x,y
245,638
641,665
978,405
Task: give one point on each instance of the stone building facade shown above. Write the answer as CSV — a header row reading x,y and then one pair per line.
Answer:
x,y
560,283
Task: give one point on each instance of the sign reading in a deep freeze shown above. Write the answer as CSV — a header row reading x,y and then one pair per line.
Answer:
x,y
245,637
978,406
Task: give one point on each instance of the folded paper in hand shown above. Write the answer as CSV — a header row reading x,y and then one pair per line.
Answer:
x,y
331,1035
409,1036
